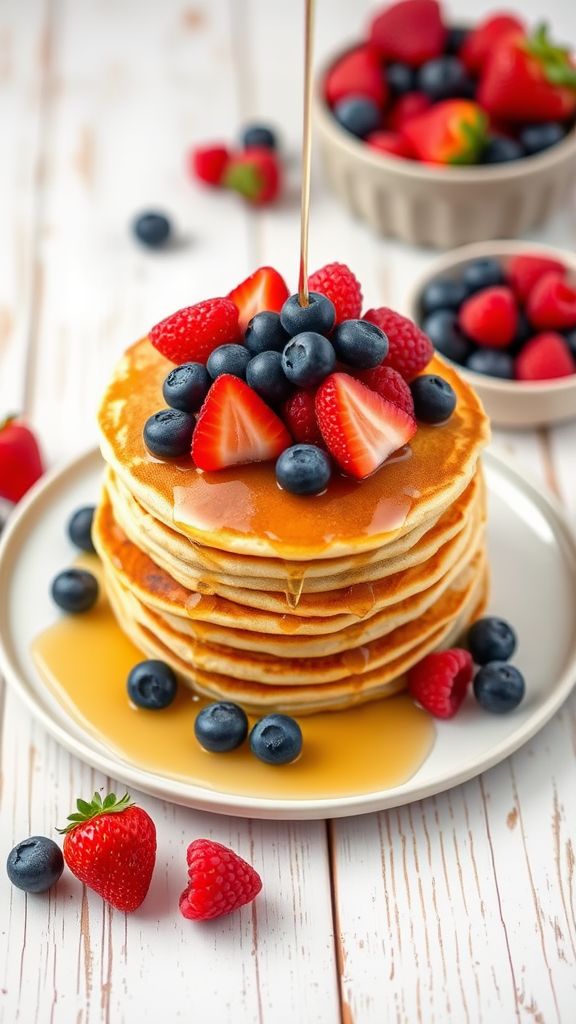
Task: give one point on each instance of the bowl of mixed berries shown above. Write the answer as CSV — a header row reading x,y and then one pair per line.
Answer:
x,y
505,314
440,134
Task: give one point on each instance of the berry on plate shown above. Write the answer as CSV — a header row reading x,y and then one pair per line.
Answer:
x,y
434,398
192,333
552,303
152,685
491,639
308,358
255,174
359,343
235,426
219,881
338,284
110,845
20,459
74,590
186,387
265,289
259,136
168,433
276,739
409,350
35,864
208,163
264,373
525,271
358,73
389,385
303,469
318,316
360,429
450,132
445,333
544,357
358,115
499,687
152,229
299,414
231,359
410,31
221,726
264,333
440,681
490,317
79,528
485,37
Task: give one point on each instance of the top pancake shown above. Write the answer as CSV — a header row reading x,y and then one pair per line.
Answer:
x,y
243,510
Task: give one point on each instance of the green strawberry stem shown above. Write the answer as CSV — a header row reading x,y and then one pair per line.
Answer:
x,y
554,60
86,811
245,179
8,420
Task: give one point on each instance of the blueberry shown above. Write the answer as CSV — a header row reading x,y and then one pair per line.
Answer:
x,y
319,315
499,687
265,333
456,38
259,136
446,335
442,78
152,229
152,684
303,469
358,115
168,433
266,376
228,359
536,137
434,398
501,150
35,864
308,359
491,639
400,78
571,341
221,726
186,387
491,362
276,739
75,590
482,273
524,329
359,343
443,293
80,528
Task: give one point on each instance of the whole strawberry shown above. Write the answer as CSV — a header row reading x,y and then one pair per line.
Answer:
x,y
450,132
255,174
110,845
219,881
20,459
528,79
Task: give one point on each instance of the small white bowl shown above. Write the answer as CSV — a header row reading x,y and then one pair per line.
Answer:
x,y
509,403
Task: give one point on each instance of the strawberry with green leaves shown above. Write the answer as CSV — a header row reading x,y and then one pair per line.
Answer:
x,y
450,132
529,79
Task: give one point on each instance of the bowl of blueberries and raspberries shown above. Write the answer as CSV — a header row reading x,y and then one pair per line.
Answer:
x,y
441,134
504,313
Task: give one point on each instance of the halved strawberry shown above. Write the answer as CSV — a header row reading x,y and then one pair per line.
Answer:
x,y
360,428
235,426
265,289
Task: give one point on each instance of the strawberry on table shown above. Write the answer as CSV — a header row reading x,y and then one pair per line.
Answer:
x,y
337,282
525,270
191,334
264,290
450,132
235,426
410,31
358,73
219,881
490,317
410,350
486,37
256,174
110,845
20,459
552,303
529,79
544,357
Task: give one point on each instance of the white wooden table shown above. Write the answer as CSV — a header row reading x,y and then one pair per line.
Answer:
x,y
456,909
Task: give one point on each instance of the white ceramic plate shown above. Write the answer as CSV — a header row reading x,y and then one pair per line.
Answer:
x,y
533,562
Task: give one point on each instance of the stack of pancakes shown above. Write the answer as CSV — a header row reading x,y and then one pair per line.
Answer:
x,y
283,602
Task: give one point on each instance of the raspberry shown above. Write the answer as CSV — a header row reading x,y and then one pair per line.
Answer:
x,y
544,357
490,317
389,384
220,881
525,271
208,163
439,682
552,303
410,349
337,282
412,104
300,417
191,334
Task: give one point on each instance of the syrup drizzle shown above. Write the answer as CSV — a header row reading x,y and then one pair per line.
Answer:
x,y
303,297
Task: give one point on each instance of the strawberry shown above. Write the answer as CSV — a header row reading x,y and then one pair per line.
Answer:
x,y
410,32
20,459
299,414
265,289
208,163
191,334
255,174
337,282
485,38
219,881
390,142
451,132
388,383
440,681
235,426
524,271
544,357
360,428
528,79
552,303
406,107
358,73
490,317
110,845
410,350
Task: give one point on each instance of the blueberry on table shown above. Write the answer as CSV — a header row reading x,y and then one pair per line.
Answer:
x,y
360,343
168,433
443,293
319,315
186,387
308,359
446,335
265,375
358,115
442,78
221,726
231,359
152,684
537,137
501,150
276,739
303,469
152,229
80,528
434,398
35,864
75,590
482,273
499,687
491,639
258,136
265,333
400,78
492,363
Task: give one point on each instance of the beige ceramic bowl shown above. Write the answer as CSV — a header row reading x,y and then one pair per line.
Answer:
x,y
508,403
442,206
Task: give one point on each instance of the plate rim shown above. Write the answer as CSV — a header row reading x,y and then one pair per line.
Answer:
x,y
201,798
